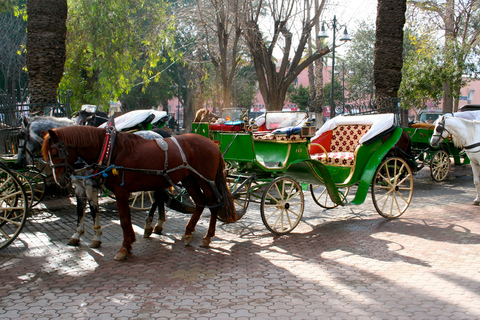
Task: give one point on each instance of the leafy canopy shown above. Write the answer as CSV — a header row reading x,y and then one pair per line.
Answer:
x,y
112,45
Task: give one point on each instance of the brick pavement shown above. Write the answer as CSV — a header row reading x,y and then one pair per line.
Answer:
x,y
344,263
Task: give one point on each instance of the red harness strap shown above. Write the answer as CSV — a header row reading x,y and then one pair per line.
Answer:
x,y
111,133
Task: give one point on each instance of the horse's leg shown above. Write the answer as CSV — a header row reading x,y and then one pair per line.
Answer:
x,y
476,180
148,229
213,216
199,198
81,206
92,196
126,223
161,199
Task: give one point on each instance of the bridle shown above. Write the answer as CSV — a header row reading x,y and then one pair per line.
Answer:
x,y
440,128
62,154
24,134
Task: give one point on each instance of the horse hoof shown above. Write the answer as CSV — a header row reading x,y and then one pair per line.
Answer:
x,y
73,242
121,255
205,243
158,230
476,203
147,232
95,244
188,239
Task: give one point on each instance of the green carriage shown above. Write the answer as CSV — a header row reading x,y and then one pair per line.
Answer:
x,y
272,160
437,158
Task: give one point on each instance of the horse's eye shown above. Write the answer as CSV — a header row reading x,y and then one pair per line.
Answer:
x,y
439,129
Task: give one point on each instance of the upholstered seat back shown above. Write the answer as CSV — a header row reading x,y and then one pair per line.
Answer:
x,y
345,138
341,145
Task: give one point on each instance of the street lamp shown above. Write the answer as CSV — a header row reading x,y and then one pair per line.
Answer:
x,y
345,37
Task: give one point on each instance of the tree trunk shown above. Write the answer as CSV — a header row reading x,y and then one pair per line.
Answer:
x,y
389,48
449,40
45,49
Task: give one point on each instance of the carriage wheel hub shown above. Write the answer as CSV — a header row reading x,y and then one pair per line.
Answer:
x,y
287,205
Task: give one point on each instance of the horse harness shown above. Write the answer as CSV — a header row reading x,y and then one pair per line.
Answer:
x,y
107,150
441,127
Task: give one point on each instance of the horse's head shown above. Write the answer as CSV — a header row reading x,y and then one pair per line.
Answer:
x,y
60,157
439,133
30,137
28,143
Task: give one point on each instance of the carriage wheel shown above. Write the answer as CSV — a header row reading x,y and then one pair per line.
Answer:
x,y
141,200
282,205
38,181
13,207
241,198
322,198
181,201
439,165
27,186
392,187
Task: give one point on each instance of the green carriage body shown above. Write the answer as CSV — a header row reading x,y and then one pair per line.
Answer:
x,y
270,159
420,139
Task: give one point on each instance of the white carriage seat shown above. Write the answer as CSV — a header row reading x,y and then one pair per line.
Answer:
x,y
341,137
288,130
132,118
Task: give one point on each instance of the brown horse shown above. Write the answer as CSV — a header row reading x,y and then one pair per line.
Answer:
x,y
204,115
139,164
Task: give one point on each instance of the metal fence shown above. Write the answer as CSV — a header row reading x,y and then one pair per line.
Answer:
x,y
17,105
375,106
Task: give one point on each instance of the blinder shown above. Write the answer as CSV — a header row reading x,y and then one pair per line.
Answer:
x,y
439,128
62,154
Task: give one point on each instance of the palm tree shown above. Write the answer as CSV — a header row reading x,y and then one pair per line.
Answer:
x,y
388,48
46,52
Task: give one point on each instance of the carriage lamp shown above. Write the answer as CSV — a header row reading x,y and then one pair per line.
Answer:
x,y
345,37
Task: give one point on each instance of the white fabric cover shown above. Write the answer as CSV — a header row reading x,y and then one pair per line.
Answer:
x,y
378,122
469,115
132,118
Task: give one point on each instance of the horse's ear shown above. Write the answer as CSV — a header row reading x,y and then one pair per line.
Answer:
x,y
51,133
25,122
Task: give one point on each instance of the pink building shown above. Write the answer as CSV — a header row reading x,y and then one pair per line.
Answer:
x,y
258,104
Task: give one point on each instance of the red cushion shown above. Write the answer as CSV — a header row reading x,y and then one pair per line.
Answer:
x,y
225,127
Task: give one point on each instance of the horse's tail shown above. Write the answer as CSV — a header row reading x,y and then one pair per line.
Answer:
x,y
226,213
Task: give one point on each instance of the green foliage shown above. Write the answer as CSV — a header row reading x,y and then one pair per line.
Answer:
x,y
300,96
337,93
423,73
244,86
360,59
146,97
7,5
112,45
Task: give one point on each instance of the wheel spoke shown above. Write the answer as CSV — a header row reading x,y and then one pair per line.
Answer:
x,y
283,214
392,188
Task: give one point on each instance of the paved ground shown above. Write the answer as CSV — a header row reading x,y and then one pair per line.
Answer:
x,y
345,263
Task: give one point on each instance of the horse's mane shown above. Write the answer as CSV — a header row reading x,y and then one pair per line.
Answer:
x,y
38,124
469,135
51,120
87,136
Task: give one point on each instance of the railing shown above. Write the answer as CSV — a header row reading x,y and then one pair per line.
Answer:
x,y
13,107
376,106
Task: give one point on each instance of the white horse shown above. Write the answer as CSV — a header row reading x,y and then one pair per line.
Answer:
x,y
465,134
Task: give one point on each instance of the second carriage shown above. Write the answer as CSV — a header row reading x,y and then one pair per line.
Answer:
x,y
275,159
438,158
